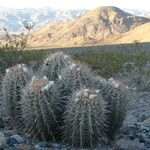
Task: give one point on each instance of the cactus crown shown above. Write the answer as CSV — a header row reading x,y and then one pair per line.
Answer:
x,y
86,95
17,70
40,84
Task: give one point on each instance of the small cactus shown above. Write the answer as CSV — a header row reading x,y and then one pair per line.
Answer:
x,y
54,64
39,109
13,82
84,119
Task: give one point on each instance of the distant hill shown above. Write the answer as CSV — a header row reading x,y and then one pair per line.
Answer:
x,y
13,18
140,34
94,27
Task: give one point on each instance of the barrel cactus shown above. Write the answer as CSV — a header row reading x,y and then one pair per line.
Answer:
x,y
74,76
54,64
117,97
13,82
84,119
40,109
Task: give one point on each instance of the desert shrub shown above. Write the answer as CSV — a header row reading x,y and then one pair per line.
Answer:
x,y
137,71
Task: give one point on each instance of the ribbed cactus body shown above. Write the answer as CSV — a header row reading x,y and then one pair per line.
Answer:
x,y
13,83
118,99
73,77
40,109
54,64
85,118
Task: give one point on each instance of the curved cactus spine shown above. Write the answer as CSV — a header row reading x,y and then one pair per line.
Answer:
x,y
84,119
54,64
40,109
117,97
13,82
73,77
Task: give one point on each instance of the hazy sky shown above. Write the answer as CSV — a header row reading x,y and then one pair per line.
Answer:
x,y
76,4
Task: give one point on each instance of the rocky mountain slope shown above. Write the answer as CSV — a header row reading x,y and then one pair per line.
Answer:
x,y
140,34
13,18
103,24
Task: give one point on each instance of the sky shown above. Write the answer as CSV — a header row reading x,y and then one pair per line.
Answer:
x,y
76,4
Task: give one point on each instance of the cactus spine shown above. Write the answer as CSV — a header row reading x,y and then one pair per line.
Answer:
x,y
39,109
117,97
54,64
13,82
73,77
85,118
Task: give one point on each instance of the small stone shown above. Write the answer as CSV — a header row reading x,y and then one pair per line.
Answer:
x,y
147,122
25,146
13,148
2,140
18,138
1,123
141,138
147,142
57,146
41,144
126,144
142,117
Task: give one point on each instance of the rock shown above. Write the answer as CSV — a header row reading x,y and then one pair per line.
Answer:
x,y
142,138
142,117
25,146
41,145
147,122
1,123
13,148
18,138
15,139
56,146
2,140
147,142
126,144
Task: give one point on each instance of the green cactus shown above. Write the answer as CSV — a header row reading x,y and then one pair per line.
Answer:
x,y
13,82
73,77
117,97
40,109
54,64
85,117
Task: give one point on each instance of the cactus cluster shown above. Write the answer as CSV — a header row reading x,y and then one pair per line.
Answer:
x,y
65,101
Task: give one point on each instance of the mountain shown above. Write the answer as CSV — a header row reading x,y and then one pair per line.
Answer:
x,y
13,18
94,27
140,34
